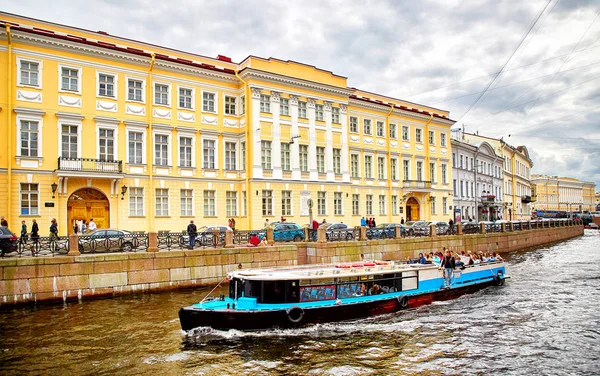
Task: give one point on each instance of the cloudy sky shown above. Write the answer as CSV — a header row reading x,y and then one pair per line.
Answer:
x,y
442,53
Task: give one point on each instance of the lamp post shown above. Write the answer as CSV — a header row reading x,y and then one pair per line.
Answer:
x,y
123,191
54,186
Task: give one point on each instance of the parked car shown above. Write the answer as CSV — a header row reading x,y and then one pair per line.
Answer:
x,y
339,231
8,241
419,228
385,231
205,236
441,228
285,232
107,239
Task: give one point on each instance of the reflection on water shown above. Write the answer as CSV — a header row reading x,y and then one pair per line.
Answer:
x,y
544,321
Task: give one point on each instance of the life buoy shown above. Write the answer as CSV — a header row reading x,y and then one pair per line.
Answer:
x,y
403,301
381,262
295,314
358,265
369,264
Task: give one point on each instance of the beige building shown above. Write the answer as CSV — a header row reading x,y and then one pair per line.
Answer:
x,y
562,193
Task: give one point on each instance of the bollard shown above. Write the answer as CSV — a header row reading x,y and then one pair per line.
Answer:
x,y
398,232
432,230
482,228
306,231
503,227
229,239
363,233
152,242
322,235
459,230
73,245
270,239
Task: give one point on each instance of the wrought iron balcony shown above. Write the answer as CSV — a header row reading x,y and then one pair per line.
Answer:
x,y
88,164
488,198
525,199
419,184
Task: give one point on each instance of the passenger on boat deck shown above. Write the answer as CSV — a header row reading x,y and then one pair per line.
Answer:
x,y
498,257
422,259
375,289
448,263
363,289
254,240
437,259
458,260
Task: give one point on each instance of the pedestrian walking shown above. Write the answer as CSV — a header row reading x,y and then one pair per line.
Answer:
x,y
363,222
35,229
23,239
83,227
451,226
266,222
76,228
402,221
192,233
92,225
3,222
53,230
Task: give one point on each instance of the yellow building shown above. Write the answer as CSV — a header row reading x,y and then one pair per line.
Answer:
x,y
144,137
563,194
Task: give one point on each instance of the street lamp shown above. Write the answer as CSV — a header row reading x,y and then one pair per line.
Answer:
x,y
54,186
123,191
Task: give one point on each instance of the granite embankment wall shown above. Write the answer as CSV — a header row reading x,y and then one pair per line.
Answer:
x,y
59,278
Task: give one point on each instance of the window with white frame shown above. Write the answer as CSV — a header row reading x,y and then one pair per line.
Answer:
x,y
302,110
455,188
394,168
209,204
106,85
394,205
185,152
284,106
69,79
405,133
354,165
230,105
321,203
320,159
267,202
30,199
69,141
367,126
303,153
243,155
243,104
380,129
208,102
337,203
337,161
135,90
335,115
382,205
29,73
444,205
161,94
406,169
136,202
265,154
265,103
443,140
244,203
231,203
186,98
208,154
368,167
286,202
419,171
432,174
355,204
454,160
419,135
230,156
380,168
369,204
29,138
393,131
432,202
285,156
106,142
319,112
136,147
431,138
187,205
161,150
162,202
353,124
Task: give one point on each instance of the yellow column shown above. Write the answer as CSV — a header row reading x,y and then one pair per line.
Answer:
x,y
9,125
150,146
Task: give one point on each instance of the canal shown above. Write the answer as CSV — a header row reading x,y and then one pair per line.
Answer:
x,y
545,320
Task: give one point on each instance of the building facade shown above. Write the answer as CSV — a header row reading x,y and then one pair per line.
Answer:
x,y
556,193
477,182
143,137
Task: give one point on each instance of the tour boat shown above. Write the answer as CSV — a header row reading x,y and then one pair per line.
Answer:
x,y
291,297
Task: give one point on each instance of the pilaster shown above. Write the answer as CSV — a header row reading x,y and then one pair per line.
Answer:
x,y
276,148
254,144
312,137
295,149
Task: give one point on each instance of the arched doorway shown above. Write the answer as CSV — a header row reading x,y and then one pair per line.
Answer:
x,y
413,210
85,204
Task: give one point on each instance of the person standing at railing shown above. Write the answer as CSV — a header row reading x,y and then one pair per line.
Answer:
x,y
23,239
451,226
192,233
363,222
53,230
35,229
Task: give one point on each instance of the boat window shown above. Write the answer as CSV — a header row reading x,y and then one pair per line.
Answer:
x,y
291,291
252,289
273,292
316,293
235,288
311,282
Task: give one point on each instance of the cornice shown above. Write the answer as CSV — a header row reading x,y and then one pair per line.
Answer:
x,y
69,116
405,113
29,111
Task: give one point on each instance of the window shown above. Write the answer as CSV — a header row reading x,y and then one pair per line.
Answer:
x,y
461,162
432,172
303,151
230,105
393,131
455,187
321,203
369,204
394,168
406,169
353,124
29,199
209,204
453,159
444,174
186,98
337,203
405,133
419,171
106,144
208,153
30,72
162,202
380,129
320,159
231,203
135,90
243,104
285,156
286,202
368,167
302,110
335,115
394,205
431,138
69,140
243,155
382,204
106,85
337,158
354,165
136,147
186,206
136,202
419,135
161,150
319,112
69,79
265,154
267,203
230,156
161,94
367,126
208,102
445,205
380,168
432,201
443,140
284,106
265,103
355,204
185,152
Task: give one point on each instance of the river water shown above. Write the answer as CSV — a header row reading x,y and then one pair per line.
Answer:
x,y
544,321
